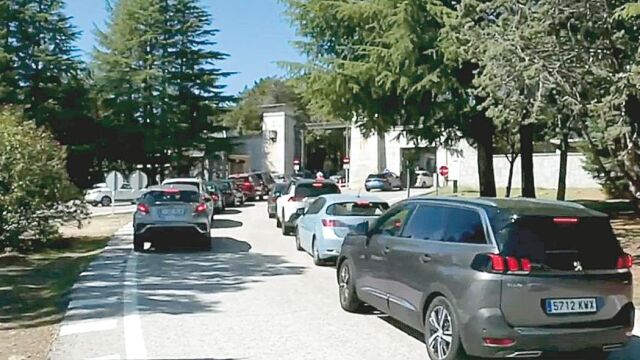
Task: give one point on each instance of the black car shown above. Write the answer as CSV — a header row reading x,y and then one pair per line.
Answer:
x,y
504,278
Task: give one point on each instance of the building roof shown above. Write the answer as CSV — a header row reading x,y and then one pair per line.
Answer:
x,y
522,206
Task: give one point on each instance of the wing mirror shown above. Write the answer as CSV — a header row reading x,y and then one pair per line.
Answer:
x,y
300,212
362,229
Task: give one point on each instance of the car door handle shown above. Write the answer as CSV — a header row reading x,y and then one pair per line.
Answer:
x,y
386,250
425,258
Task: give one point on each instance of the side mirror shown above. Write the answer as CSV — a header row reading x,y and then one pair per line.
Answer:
x,y
277,194
300,211
207,199
361,229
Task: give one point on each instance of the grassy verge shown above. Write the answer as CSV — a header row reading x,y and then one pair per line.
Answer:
x,y
33,287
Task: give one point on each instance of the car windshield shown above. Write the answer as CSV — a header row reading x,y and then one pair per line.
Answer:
x,y
376,176
357,208
557,241
171,196
316,189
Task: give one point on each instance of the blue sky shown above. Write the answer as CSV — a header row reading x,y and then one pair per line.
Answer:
x,y
254,33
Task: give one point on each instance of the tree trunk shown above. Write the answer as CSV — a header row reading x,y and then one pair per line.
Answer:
x,y
526,161
512,162
483,130
562,174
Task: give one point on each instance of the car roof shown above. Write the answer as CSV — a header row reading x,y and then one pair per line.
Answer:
x,y
334,198
181,187
172,180
521,206
312,181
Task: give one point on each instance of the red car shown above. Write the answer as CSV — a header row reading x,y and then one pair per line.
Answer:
x,y
248,184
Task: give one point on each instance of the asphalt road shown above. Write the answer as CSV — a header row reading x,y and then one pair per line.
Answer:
x,y
252,297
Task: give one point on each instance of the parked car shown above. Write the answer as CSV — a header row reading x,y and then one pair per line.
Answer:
x,y
296,196
424,179
323,226
383,181
277,191
233,196
178,211
264,185
217,197
248,184
198,183
100,194
493,278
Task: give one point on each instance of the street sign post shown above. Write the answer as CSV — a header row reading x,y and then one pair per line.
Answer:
x,y
346,165
114,182
138,180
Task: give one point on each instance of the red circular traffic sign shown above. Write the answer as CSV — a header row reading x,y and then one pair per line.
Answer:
x,y
444,170
346,160
296,162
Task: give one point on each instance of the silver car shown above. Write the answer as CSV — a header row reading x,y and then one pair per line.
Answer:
x,y
176,214
506,278
329,218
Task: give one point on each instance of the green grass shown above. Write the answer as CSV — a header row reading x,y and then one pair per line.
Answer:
x,y
33,287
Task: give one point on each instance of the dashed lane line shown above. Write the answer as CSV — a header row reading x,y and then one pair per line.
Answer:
x,y
133,337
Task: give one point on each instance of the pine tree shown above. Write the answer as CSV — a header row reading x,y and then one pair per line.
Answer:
x,y
157,79
40,73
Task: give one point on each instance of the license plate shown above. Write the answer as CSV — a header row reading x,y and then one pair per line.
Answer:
x,y
571,306
171,213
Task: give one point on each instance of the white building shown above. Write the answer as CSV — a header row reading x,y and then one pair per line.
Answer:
x,y
279,144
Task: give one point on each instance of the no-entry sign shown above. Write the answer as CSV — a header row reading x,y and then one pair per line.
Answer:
x,y
443,171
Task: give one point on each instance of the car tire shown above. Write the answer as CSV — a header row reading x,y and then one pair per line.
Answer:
x,y
138,244
315,252
349,300
278,222
298,246
367,189
105,201
439,326
286,230
271,215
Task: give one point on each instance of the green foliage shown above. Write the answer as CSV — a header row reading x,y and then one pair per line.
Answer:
x,y
377,60
246,116
35,191
157,83
39,73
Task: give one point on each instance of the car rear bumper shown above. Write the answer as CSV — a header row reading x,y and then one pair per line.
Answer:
x,y
329,246
535,341
148,229
376,185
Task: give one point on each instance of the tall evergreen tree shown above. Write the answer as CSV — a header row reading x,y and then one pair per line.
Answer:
x,y
157,79
40,72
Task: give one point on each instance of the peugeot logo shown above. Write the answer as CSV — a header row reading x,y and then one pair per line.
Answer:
x,y
577,266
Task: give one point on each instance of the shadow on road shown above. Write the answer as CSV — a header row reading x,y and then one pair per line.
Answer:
x,y
177,282
231,212
225,224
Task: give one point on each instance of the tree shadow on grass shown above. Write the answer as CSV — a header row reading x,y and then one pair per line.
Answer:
x,y
33,287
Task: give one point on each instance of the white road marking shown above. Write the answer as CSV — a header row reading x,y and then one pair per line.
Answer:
x,y
106,357
81,327
91,302
133,338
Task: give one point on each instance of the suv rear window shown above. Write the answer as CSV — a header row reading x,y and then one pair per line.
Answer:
x,y
557,243
376,176
315,190
160,197
363,208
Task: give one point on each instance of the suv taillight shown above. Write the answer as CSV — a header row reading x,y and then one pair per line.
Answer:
x,y
500,264
625,261
142,208
202,207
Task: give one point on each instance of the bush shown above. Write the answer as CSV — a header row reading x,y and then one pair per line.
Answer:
x,y
36,195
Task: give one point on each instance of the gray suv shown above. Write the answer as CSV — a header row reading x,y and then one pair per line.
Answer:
x,y
493,277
